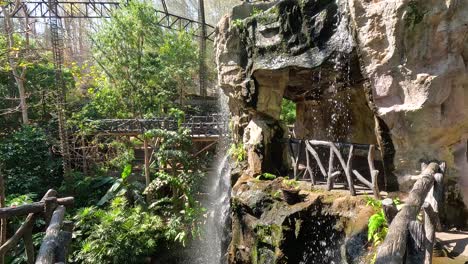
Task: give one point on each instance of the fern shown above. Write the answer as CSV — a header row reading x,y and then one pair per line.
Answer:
x,y
377,227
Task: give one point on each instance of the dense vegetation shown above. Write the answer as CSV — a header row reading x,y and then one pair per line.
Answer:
x,y
132,69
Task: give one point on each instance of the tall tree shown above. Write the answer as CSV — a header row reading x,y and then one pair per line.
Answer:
x,y
202,48
145,65
14,53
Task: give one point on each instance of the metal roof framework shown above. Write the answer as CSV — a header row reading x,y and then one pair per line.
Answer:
x,y
103,9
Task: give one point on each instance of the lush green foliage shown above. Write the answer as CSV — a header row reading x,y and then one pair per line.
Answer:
x,y
39,83
238,152
168,216
378,226
142,71
123,187
29,164
288,111
146,69
266,176
120,234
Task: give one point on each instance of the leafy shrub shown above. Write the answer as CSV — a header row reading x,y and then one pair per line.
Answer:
x,y
238,152
121,234
377,227
123,187
288,111
266,176
29,165
85,189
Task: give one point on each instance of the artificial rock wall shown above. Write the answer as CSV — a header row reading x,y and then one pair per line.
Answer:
x,y
391,72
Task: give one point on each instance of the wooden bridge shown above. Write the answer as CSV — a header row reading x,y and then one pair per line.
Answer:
x,y
204,131
202,128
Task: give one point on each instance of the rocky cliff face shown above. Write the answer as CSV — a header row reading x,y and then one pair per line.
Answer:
x,y
415,56
387,72
317,227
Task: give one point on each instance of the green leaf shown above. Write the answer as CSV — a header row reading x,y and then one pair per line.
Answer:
x,y
126,172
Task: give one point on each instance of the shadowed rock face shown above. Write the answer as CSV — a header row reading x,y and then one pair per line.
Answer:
x,y
321,227
299,50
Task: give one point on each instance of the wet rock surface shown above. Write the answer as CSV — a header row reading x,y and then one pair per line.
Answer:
x,y
390,73
384,72
322,227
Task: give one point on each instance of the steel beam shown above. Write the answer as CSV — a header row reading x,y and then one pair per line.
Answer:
x,y
103,9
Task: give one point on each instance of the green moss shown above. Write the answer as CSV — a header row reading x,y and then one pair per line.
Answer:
x,y
238,23
273,11
254,254
297,227
269,234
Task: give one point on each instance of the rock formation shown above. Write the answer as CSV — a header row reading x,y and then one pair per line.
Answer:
x,y
386,72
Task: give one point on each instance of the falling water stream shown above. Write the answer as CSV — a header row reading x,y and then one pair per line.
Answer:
x,y
215,236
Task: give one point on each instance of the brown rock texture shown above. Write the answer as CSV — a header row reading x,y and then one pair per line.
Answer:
x,y
415,55
321,227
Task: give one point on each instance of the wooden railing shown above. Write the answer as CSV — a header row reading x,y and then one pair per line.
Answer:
x,y
409,240
199,126
297,147
58,234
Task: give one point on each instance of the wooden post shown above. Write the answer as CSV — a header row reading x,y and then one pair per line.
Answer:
x,y
308,168
330,178
64,239
373,172
431,215
46,253
390,210
415,243
29,245
393,249
314,153
294,158
348,171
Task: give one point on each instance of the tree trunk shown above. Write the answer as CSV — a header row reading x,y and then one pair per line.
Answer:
x,y
19,77
22,93
3,222
202,54
147,162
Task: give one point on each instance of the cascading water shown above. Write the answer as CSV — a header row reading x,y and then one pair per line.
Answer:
x,y
215,238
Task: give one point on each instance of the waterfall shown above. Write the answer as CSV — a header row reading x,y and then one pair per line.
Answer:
x,y
215,238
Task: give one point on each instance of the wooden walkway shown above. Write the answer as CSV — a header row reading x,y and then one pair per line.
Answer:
x,y
202,128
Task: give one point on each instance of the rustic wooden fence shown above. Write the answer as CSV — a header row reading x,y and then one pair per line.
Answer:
x,y
409,240
297,147
58,235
